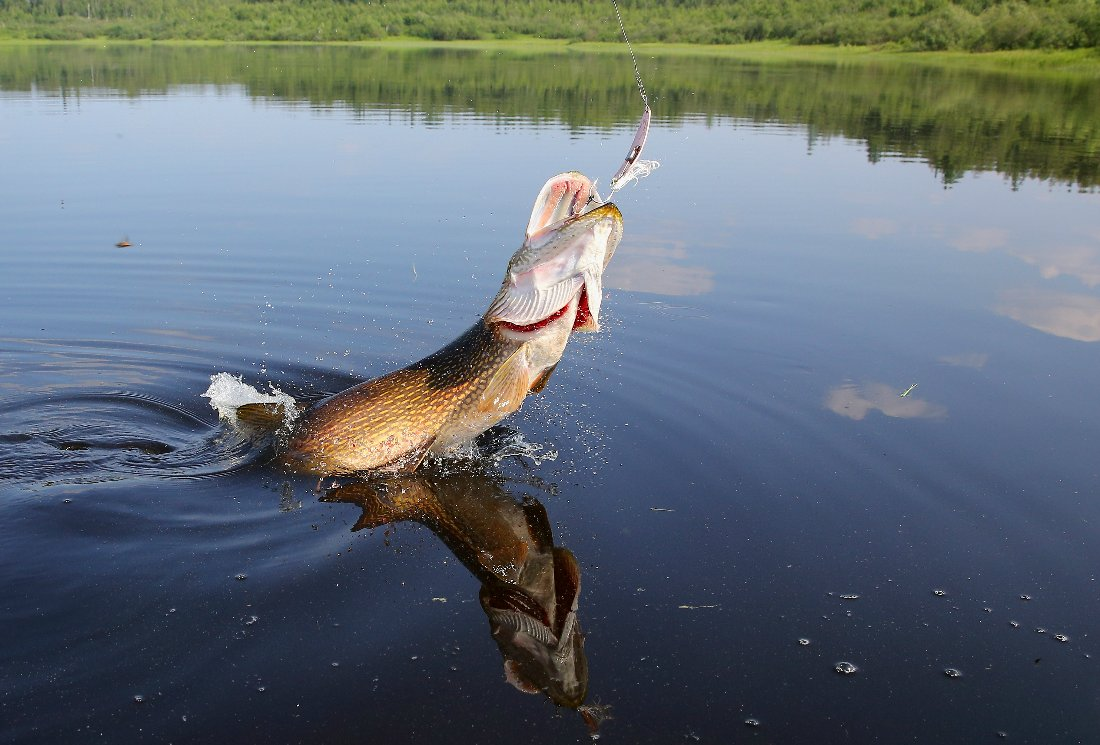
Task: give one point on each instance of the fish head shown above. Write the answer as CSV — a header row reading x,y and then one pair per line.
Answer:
x,y
541,642
554,282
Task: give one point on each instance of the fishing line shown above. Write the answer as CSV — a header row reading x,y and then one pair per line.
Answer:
x,y
630,48
633,169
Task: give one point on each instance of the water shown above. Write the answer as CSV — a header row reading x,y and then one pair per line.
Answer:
x,y
735,477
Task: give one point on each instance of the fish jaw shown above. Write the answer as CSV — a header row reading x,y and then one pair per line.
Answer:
x,y
561,261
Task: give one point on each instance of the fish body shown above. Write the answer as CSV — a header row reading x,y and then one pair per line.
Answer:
x,y
553,287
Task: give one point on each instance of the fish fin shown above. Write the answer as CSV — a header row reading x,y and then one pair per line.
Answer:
x,y
411,461
542,379
538,524
263,416
508,386
567,580
384,501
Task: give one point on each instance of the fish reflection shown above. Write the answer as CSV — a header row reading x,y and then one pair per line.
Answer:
x,y
529,587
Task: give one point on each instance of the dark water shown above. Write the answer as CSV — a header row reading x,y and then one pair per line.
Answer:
x,y
748,497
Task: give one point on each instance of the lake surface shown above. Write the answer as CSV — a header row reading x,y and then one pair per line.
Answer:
x,y
843,408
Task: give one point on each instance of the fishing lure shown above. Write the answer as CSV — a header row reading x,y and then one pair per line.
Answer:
x,y
632,168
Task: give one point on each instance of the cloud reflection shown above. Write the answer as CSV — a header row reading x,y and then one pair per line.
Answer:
x,y
975,360
874,228
1064,314
652,268
981,240
855,402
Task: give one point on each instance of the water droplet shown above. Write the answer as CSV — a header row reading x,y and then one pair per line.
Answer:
x,y
952,672
1062,638
939,593
846,668
804,642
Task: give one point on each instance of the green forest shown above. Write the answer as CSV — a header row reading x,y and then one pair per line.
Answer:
x,y
974,25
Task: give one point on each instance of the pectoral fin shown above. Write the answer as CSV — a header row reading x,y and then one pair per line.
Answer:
x,y
506,389
542,379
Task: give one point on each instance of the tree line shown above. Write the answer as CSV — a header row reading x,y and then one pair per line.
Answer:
x,y
977,25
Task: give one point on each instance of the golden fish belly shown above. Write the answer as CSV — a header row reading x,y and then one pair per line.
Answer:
x,y
392,422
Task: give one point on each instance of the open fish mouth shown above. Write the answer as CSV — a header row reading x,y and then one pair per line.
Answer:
x,y
558,272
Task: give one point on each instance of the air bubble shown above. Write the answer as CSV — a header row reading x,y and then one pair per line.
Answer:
x,y
241,577
139,699
752,722
1062,638
939,593
951,672
804,642
846,668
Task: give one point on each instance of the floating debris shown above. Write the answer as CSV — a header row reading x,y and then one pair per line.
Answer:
x,y
696,607
439,600
661,509
907,391
1062,638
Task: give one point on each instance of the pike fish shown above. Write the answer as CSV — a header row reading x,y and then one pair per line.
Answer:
x,y
553,287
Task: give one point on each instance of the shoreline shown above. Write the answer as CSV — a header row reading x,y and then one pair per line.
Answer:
x,y
1084,62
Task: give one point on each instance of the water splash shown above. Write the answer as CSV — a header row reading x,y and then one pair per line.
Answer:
x,y
227,393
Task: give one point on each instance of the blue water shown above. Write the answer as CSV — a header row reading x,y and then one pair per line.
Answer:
x,y
733,464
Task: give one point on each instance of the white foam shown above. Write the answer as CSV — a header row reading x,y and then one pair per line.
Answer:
x,y
228,392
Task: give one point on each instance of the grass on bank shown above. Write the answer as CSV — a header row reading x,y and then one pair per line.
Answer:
x,y
1078,62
